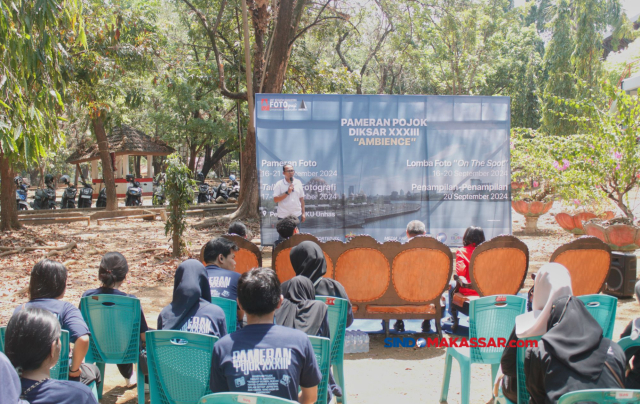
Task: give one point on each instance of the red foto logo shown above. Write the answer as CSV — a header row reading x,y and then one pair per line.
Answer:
x,y
264,104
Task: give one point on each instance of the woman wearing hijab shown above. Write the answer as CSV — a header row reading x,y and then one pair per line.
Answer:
x,y
191,309
552,281
308,260
300,310
633,330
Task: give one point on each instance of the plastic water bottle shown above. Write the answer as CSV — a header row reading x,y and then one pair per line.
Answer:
x,y
348,342
360,341
366,342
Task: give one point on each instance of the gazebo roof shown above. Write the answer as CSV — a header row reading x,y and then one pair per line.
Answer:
x,y
122,140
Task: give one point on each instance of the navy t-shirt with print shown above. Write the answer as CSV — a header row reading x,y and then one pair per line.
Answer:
x,y
265,359
69,316
223,283
111,291
58,392
208,319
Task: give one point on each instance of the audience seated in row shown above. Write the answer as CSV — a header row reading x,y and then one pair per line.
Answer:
x,y
239,229
572,353
32,344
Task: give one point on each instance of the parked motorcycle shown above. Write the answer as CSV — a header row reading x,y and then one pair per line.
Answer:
x,y
45,197
235,187
86,195
205,192
21,193
134,192
101,202
223,193
158,190
69,194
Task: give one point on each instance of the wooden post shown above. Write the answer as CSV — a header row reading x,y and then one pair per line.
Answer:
x,y
150,172
94,169
77,173
125,165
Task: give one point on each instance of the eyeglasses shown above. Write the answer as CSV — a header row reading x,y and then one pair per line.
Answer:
x,y
290,171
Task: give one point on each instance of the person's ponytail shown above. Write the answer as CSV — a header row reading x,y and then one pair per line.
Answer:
x,y
113,269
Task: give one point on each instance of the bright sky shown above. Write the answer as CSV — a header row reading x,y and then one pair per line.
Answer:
x,y
631,6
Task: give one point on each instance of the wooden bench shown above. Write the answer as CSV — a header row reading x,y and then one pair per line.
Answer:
x,y
383,280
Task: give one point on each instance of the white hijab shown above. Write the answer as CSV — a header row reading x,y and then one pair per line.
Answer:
x,y
552,282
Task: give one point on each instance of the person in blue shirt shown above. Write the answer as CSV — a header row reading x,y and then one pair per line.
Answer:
x,y
219,255
47,286
263,357
112,273
191,309
32,344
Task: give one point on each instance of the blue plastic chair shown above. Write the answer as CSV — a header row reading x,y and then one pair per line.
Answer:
x,y
322,350
114,323
179,366
230,308
337,313
249,398
523,394
489,317
603,309
601,396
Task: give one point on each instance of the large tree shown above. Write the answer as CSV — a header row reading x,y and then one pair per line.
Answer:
x,y
34,37
275,31
120,42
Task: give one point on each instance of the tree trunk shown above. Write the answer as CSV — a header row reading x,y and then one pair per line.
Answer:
x,y
211,159
97,122
176,233
192,158
136,164
9,213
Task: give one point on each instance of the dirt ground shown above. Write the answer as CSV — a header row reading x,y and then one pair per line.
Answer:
x,y
383,375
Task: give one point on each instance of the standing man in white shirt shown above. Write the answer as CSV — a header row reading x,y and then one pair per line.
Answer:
x,y
289,195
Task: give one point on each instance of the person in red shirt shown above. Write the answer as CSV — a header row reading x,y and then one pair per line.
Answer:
x,y
473,236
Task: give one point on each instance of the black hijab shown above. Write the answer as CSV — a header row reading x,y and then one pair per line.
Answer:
x,y
190,289
308,260
574,338
299,308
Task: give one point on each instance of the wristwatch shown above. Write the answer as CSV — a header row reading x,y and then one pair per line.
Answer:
x,y
287,192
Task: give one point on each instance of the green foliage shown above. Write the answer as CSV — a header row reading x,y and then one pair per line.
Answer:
x,y
34,38
179,192
604,157
532,165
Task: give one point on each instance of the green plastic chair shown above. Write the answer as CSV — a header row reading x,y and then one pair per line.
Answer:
x,y
3,330
61,370
114,323
626,343
337,313
249,398
230,308
601,396
321,348
489,317
603,309
523,394
179,366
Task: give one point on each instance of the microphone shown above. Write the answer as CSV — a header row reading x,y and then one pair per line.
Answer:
x,y
291,180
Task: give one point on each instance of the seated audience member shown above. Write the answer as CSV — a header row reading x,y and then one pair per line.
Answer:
x,y
10,388
47,286
191,309
238,229
286,356
472,238
301,311
552,282
308,260
219,255
286,227
632,380
32,344
112,273
414,228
